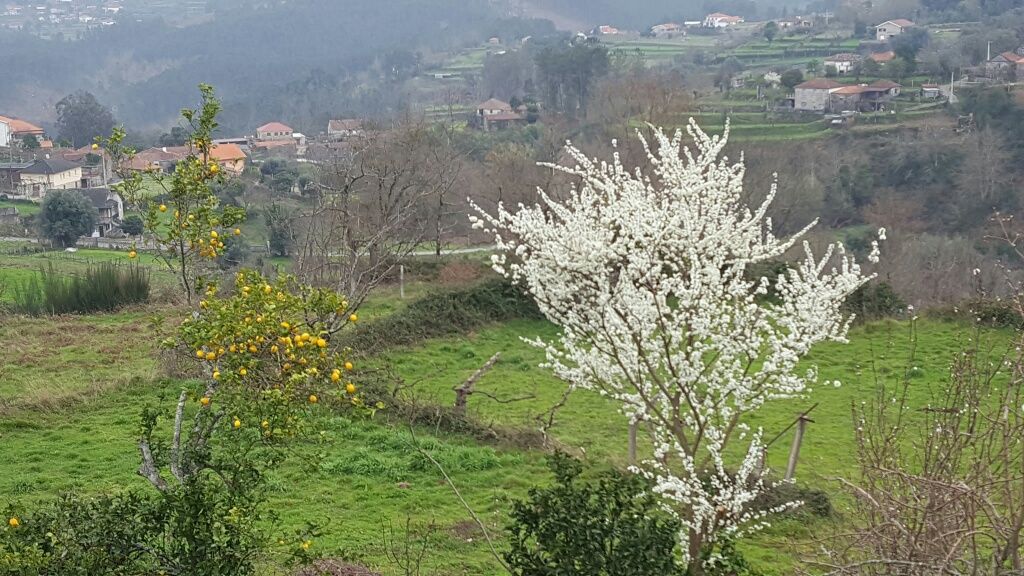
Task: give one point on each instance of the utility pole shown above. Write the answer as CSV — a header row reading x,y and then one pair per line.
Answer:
x,y
989,51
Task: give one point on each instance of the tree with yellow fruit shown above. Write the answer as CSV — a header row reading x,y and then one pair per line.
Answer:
x,y
189,226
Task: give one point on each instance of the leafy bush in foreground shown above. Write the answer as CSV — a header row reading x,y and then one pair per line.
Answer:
x,y
608,527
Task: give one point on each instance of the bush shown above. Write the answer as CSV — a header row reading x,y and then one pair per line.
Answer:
x,y
608,527
102,288
133,225
444,314
874,301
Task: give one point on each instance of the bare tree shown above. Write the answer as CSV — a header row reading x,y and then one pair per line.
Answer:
x,y
941,486
372,208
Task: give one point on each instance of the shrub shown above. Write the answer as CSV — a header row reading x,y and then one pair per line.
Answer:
x,y
607,527
873,301
133,225
102,288
443,314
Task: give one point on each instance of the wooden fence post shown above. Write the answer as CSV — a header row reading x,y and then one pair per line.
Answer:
x,y
794,452
632,443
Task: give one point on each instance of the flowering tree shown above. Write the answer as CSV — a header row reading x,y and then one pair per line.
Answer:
x,y
646,276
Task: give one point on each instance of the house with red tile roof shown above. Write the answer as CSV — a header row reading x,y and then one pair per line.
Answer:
x,y
720,20
1007,66
14,130
274,131
229,157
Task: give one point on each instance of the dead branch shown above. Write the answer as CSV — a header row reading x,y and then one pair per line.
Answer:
x,y
463,392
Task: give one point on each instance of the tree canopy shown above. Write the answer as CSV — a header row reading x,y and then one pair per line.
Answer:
x,y
81,118
65,216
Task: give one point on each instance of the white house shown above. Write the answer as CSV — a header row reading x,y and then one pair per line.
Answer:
x,y
5,134
719,20
890,28
842,63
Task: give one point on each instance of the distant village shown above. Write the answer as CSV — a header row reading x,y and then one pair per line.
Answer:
x,y
36,165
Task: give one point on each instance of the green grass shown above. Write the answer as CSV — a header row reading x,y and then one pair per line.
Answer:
x,y
71,390
25,208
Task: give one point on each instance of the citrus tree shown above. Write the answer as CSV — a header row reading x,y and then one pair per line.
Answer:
x,y
647,276
180,212
270,368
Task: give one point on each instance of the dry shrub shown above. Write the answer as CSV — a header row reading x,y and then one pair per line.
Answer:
x,y
459,273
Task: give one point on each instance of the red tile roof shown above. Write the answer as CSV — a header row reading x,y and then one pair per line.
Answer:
x,y
883,56
495,104
1013,57
274,127
21,127
819,84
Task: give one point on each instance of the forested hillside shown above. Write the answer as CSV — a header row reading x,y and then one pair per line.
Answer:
x,y
265,59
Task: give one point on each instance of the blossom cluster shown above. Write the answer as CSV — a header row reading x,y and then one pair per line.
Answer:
x,y
647,275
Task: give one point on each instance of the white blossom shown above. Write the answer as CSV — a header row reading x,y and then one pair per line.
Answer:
x,y
646,275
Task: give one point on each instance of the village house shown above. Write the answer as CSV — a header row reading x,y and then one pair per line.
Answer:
x,y
606,31
813,95
863,97
229,157
667,30
931,91
5,134
274,131
1008,65
719,20
826,95
17,130
110,209
842,63
338,130
48,174
495,114
891,28
10,176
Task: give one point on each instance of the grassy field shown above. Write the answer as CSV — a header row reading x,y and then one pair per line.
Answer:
x,y
71,389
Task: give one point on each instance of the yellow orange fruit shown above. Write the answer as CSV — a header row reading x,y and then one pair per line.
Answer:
x,y
350,388
205,400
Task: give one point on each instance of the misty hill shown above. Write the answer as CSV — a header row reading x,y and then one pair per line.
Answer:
x,y
641,15
309,57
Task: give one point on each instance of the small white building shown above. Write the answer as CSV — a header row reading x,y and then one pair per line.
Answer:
x,y
5,134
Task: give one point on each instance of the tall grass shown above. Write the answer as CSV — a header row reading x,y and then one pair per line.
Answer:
x,y
103,287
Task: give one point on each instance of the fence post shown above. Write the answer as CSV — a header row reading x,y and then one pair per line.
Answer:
x,y
632,443
401,281
794,452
